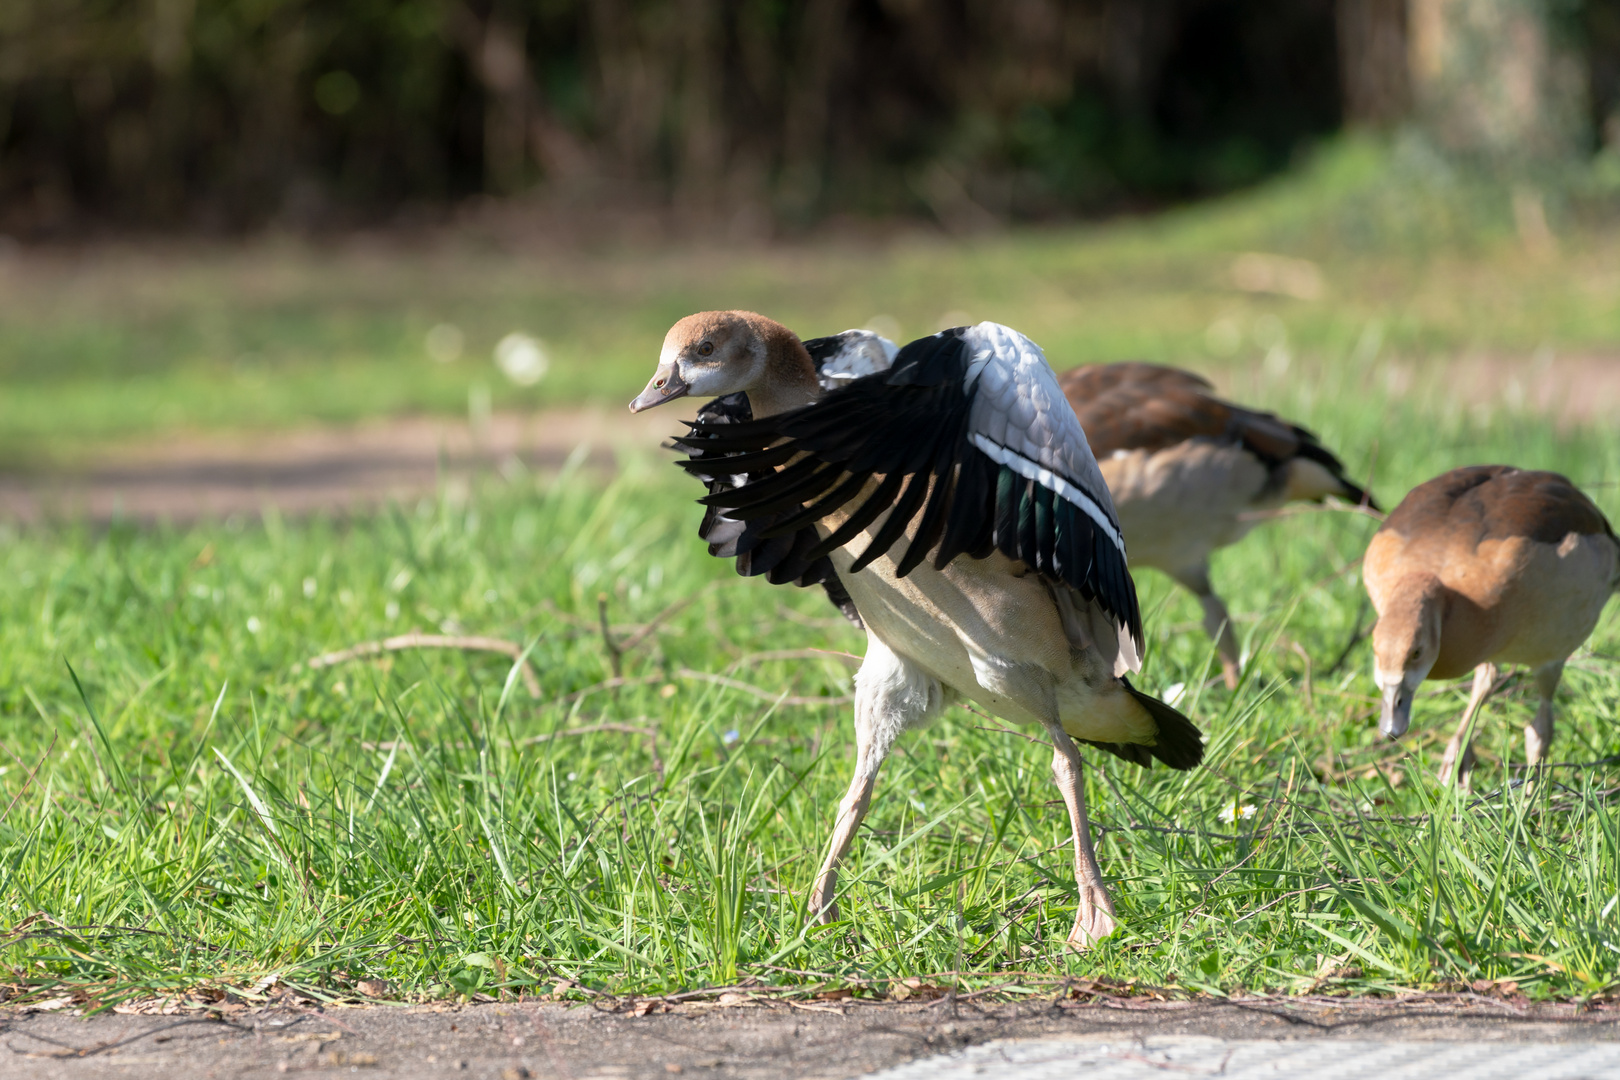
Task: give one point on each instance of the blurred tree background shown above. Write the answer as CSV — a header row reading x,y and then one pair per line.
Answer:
x,y
223,115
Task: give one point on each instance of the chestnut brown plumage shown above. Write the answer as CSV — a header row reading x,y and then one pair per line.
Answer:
x,y
1481,566
1188,471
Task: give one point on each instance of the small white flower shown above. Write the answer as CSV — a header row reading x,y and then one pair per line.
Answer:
x,y
572,777
731,736
254,625
1232,812
522,358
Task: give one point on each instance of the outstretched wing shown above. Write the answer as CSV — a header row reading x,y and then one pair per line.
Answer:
x,y
782,559
972,448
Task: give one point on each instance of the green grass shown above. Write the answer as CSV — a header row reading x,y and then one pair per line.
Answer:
x,y
118,343
207,811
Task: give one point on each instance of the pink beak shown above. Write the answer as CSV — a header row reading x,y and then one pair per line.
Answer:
x,y
666,385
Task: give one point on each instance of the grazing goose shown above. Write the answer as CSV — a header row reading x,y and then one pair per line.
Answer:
x,y
1186,469
1481,566
1011,589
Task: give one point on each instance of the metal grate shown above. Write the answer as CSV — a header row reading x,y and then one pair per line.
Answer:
x,y
1165,1057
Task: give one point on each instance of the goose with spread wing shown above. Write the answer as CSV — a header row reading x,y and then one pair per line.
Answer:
x,y
961,511
1189,472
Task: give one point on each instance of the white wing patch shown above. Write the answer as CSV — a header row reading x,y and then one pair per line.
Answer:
x,y
1021,419
860,352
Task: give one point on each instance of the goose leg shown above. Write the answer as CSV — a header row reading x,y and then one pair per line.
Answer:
x,y
891,694
1539,732
1458,761
1094,917
1217,622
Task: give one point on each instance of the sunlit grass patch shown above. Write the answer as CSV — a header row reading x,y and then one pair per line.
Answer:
x,y
193,804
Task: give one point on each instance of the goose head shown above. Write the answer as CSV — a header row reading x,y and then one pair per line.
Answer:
x,y
1406,644
714,353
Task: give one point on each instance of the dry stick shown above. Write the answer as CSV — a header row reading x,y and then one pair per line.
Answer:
x,y
1310,694
688,673
637,631
608,684
1355,639
31,774
590,729
615,654
760,692
641,635
1311,508
431,641
789,654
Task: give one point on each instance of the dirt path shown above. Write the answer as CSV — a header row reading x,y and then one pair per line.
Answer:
x,y
769,1041
186,477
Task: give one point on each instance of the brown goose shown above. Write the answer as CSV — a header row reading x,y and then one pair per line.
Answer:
x,y
1481,566
1011,587
1186,470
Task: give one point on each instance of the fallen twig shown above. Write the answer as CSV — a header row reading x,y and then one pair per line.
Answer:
x,y
1361,631
789,654
591,729
615,654
761,692
31,774
641,635
1311,508
431,641
608,684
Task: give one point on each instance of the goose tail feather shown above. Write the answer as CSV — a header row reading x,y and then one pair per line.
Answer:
x,y
1179,745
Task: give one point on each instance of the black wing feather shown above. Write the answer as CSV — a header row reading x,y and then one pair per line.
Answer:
x,y
905,508
879,501
782,560
912,421
970,534
825,505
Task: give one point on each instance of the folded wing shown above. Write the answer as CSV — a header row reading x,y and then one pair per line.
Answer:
x,y
1140,406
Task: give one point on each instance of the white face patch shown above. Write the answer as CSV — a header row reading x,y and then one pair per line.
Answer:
x,y
706,380
736,365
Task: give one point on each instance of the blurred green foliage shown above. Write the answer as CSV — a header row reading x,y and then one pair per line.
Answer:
x,y
222,114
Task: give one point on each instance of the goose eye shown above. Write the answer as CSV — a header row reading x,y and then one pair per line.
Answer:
x,y
706,349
